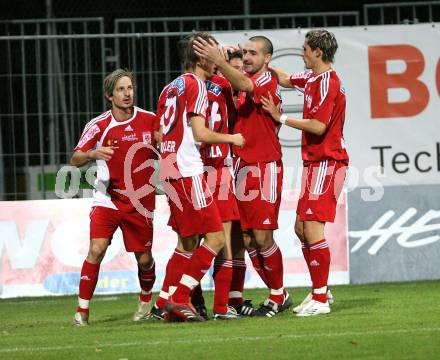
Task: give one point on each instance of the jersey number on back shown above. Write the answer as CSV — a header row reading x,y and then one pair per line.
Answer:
x,y
171,108
215,116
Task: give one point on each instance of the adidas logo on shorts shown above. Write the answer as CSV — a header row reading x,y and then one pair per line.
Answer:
x,y
314,263
266,222
309,211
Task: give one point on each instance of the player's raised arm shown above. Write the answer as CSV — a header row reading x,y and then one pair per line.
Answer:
x,y
203,134
310,125
211,52
282,76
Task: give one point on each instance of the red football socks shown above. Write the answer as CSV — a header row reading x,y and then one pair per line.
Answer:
x,y
319,264
273,266
222,281
197,268
237,282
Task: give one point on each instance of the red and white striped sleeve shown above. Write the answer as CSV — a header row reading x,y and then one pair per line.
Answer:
x,y
299,80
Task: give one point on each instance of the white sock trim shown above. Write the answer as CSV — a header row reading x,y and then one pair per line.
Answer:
x,y
235,295
320,291
83,304
279,291
189,281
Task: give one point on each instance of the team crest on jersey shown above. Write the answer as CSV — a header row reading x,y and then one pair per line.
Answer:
x,y
178,84
146,137
213,88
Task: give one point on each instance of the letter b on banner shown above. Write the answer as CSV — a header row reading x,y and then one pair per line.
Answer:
x,y
381,81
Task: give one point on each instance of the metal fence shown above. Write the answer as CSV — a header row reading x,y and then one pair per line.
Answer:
x,y
52,72
404,12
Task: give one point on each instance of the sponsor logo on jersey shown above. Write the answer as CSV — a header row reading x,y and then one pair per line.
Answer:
x,y
178,84
146,137
89,135
131,137
112,142
213,88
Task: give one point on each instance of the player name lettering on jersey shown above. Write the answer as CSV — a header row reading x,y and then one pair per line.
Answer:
x,y
213,151
168,146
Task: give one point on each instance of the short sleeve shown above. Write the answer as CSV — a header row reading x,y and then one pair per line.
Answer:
x,y
299,80
263,85
89,138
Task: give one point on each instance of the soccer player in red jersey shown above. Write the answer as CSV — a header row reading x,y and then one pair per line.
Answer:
x,y
217,159
260,168
183,110
324,155
120,140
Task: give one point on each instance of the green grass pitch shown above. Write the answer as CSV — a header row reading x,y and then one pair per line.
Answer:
x,y
379,321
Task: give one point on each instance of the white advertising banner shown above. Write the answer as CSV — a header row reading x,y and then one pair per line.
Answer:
x,y
43,244
392,79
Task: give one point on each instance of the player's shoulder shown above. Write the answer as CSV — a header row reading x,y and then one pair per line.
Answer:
x,y
100,120
216,85
185,81
144,113
264,78
220,80
164,90
331,79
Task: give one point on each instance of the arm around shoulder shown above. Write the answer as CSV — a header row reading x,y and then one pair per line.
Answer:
x,y
282,76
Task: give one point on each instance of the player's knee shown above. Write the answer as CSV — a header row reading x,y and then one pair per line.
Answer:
x,y
145,260
96,253
215,241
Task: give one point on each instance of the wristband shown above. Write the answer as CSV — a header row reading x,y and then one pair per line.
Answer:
x,y
283,119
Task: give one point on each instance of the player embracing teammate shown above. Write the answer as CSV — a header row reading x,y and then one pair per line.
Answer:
x,y
324,155
194,212
260,169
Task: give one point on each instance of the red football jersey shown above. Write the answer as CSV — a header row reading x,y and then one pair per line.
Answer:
x,y
220,115
180,152
117,179
256,125
324,100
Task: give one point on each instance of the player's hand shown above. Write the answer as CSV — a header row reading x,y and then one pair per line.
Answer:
x,y
208,50
102,153
238,140
270,107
